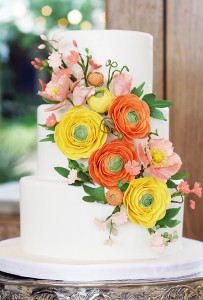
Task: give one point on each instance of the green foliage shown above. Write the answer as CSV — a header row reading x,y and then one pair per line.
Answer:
x,y
96,194
168,220
139,90
171,184
153,104
123,185
62,171
179,176
48,138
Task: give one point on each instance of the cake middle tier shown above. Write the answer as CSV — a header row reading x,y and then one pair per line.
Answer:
x,y
49,156
56,222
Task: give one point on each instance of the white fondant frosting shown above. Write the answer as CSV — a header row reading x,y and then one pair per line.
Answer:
x,y
55,221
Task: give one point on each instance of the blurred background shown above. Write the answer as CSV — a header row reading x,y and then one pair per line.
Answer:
x,y
176,26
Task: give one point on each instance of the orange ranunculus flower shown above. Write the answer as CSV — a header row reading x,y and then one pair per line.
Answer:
x,y
114,196
107,164
131,116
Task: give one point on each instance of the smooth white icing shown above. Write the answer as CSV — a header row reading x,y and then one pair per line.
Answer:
x,y
55,221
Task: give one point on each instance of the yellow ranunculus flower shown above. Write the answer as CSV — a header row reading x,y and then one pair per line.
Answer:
x,y
79,133
146,200
101,100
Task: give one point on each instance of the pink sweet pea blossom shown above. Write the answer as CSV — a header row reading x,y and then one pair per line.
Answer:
x,y
100,224
119,218
132,167
72,177
93,65
56,90
183,187
73,58
192,204
81,94
51,120
157,242
159,158
122,84
55,60
197,190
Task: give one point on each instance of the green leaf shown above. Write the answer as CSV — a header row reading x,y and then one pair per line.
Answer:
x,y
161,103
167,220
171,184
51,128
73,164
84,177
62,171
149,98
77,183
179,176
97,193
49,101
157,114
49,138
116,209
123,185
88,199
139,90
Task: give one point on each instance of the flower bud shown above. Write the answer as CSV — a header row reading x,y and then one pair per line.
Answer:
x,y
42,46
43,37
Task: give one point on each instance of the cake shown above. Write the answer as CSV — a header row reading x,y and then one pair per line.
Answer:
x,y
108,186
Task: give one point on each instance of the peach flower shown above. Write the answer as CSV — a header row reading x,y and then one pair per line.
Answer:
x,y
157,242
131,116
55,60
183,187
81,94
73,58
192,204
159,159
132,167
93,65
100,224
114,196
122,84
107,164
119,218
197,190
51,120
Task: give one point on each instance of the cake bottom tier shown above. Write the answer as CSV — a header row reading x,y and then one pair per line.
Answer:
x,y
56,222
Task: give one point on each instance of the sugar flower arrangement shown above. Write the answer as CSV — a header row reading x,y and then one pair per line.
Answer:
x,y
107,119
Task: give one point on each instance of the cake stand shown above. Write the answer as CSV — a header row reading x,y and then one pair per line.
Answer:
x,y
178,276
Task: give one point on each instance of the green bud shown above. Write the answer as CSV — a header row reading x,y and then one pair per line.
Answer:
x,y
165,235
86,50
169,236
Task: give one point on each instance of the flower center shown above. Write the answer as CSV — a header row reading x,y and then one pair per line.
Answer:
x,y
157,157
80,133
115,164
55,90
132,117
99,94
146,200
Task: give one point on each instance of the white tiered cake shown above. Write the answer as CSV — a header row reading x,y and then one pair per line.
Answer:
x,y
55,221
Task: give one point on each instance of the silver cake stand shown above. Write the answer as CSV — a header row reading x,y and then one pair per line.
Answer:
x,y
25,276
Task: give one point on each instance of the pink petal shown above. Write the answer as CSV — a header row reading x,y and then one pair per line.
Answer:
x,y
81,94
142,155
122,84
61,104
192,204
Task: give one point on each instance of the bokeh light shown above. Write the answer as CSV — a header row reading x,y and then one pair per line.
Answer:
x,y
85,25
63,22
74,17
46,10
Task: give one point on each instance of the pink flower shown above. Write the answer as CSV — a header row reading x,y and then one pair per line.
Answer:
x,y
100,224
132,167
81,94
122,84
183,187
72,177
119,218
164,163
79,78
73,58
51,120
56,90
192,204
157,242
55,60
75,44
197,190
93,65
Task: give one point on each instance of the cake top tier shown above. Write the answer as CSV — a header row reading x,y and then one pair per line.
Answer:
x,y
128,48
